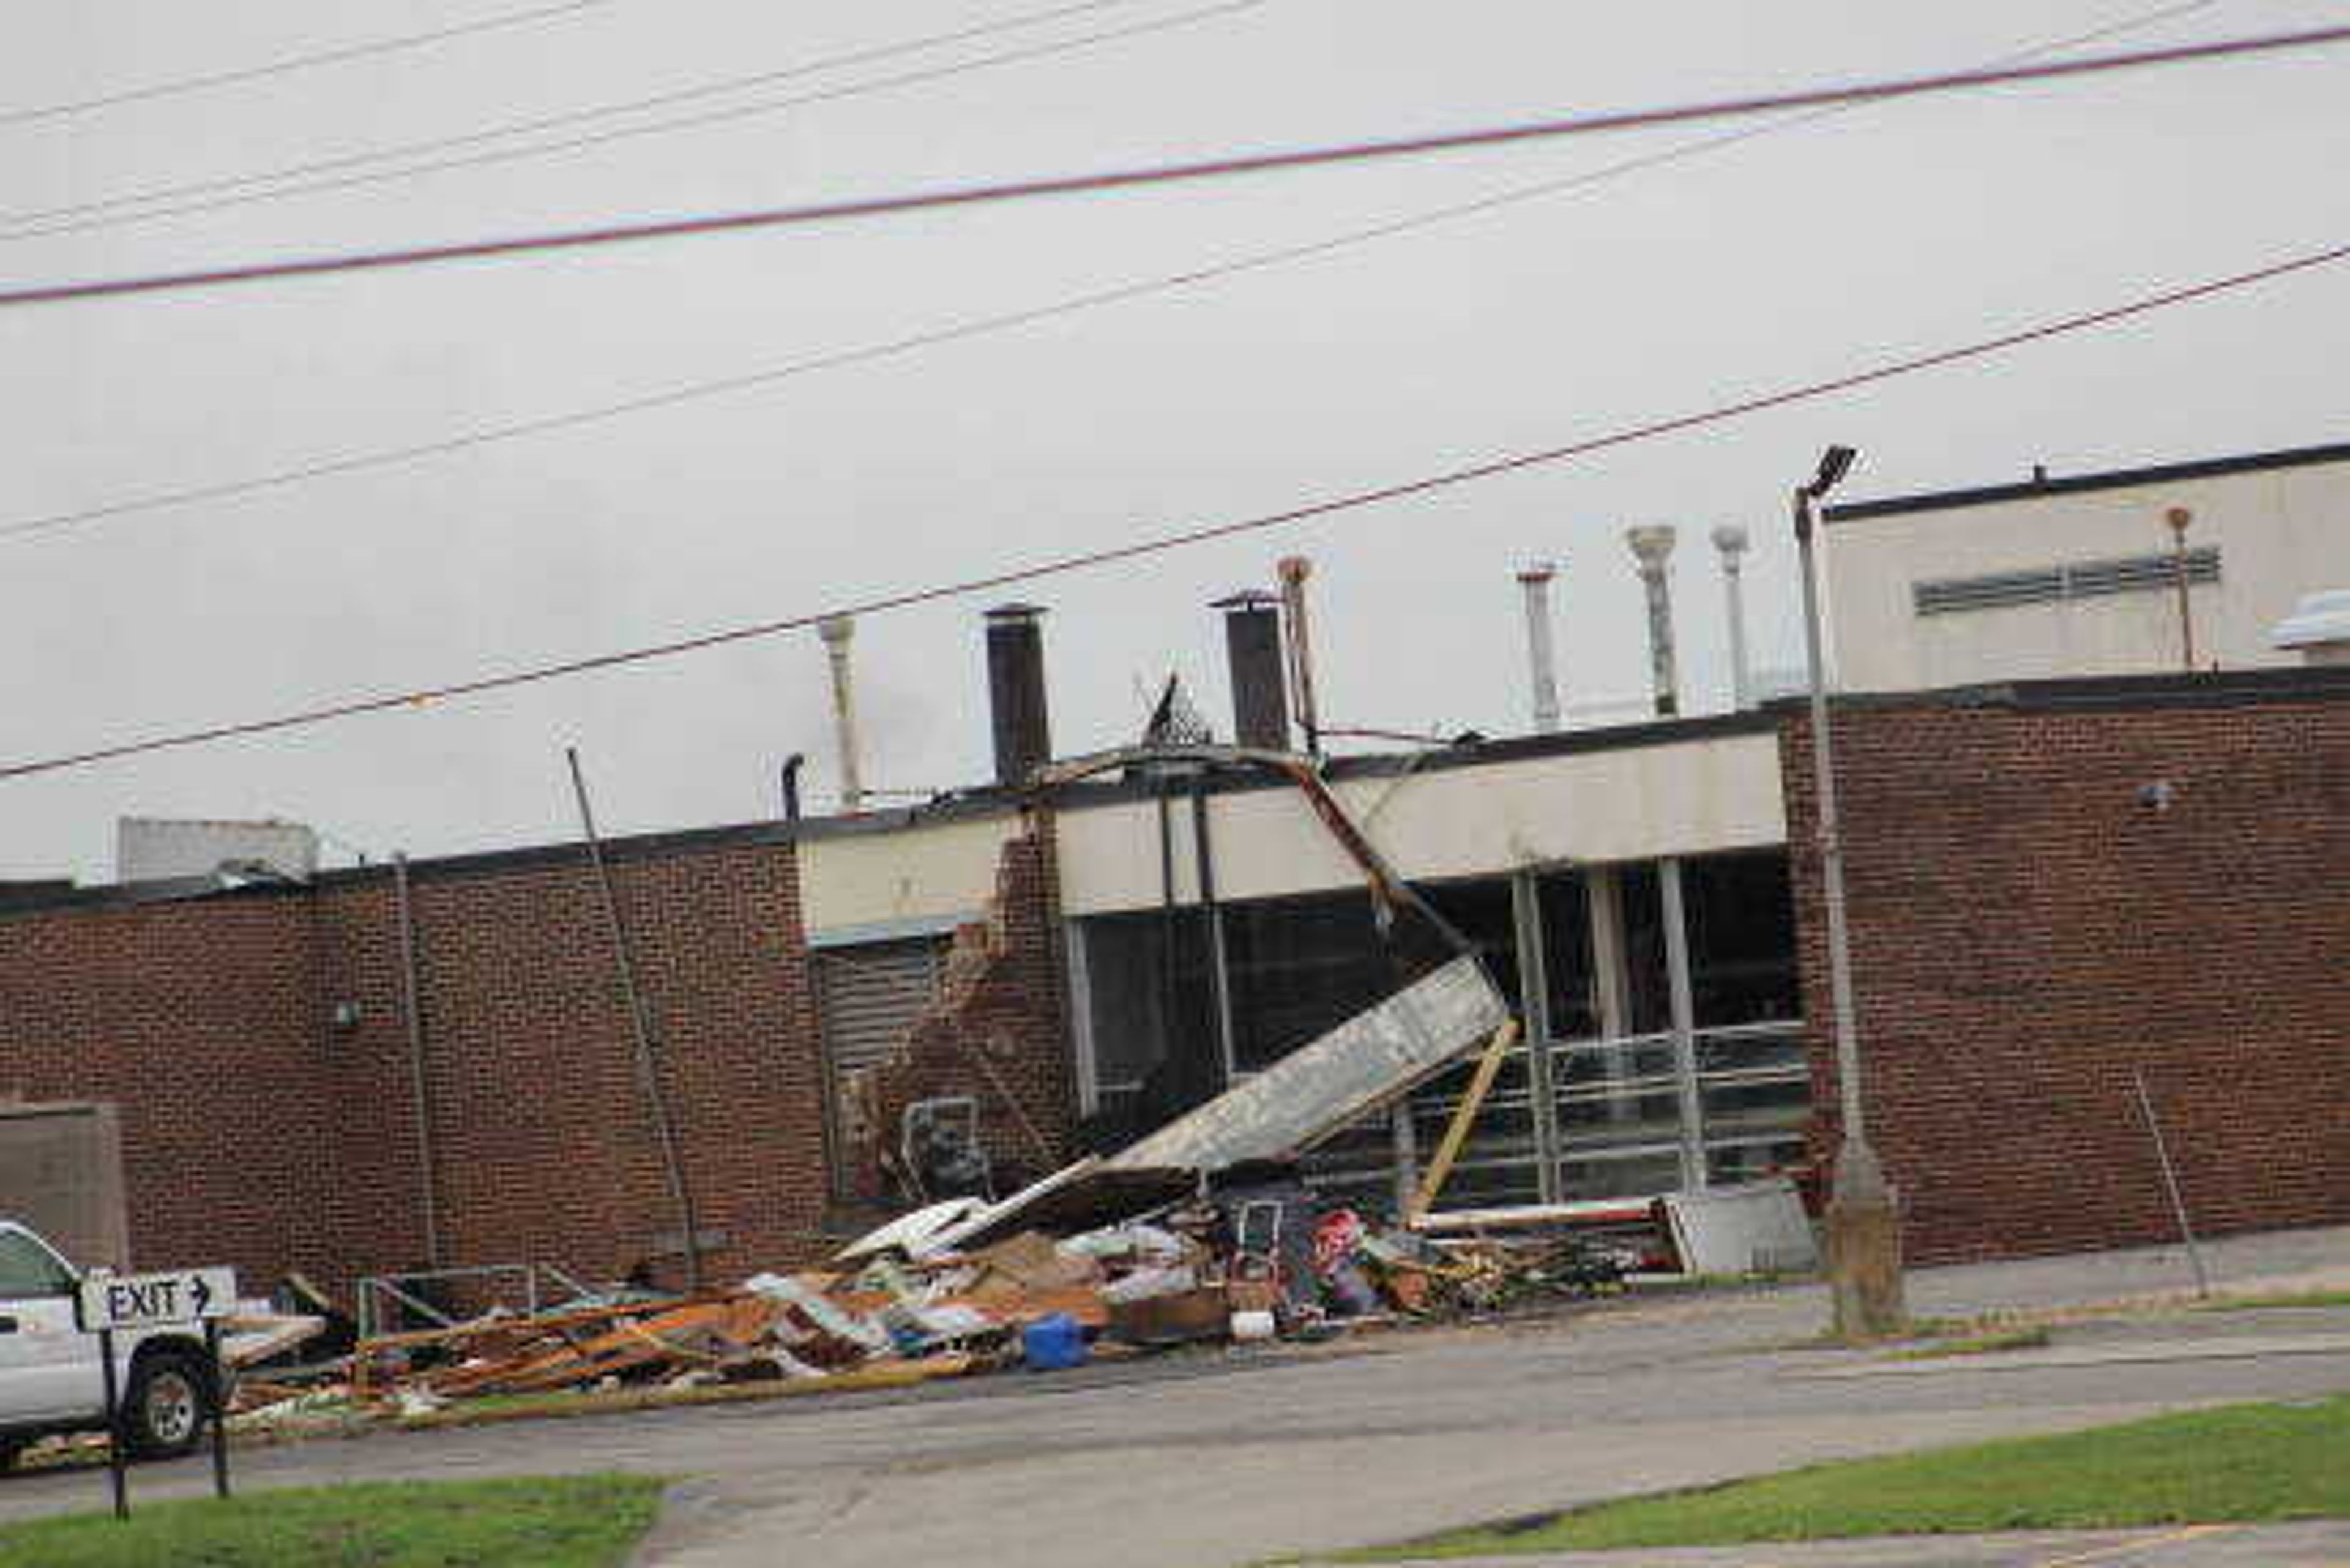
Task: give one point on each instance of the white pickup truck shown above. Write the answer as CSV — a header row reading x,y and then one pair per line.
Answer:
x,y
50,1378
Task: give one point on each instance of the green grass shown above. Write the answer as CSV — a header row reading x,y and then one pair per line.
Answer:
x,y
2277,1299
2244,1463
568,1522
1977,1344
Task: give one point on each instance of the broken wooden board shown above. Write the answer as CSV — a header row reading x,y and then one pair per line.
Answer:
x,y
1344,1075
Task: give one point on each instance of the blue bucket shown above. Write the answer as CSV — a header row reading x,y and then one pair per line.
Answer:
x,y
1052,1343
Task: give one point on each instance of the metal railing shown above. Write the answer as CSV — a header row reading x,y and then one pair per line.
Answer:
x,y
383,1299
1619,1129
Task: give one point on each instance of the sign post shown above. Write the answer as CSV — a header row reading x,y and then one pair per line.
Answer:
x,y
108,1304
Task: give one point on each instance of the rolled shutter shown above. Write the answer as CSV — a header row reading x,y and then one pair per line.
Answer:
x,y
871,995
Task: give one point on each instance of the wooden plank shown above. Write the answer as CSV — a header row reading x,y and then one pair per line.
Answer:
x,y
1464,1116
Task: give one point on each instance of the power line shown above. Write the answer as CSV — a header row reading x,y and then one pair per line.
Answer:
x,y
39,228
990,325
1225,167
296,63
1182,539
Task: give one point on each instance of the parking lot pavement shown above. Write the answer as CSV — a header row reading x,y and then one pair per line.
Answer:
x,y
1232,1458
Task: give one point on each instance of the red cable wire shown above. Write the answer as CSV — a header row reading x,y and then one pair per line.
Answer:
x,y
1161,175
1166,542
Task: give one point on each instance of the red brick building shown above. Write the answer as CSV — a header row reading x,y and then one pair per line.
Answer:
x,y
2055,886
2058,888
257,1045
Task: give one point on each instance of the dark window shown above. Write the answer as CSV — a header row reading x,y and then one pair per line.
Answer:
x,y
1741,939
1650,995
1301,967
1146,980
1566,957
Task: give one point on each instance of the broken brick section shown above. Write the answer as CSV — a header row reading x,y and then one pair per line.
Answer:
x,y
2032,927
259,1130
998,1033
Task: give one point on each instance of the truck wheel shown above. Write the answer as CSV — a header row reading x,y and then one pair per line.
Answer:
x,y
168,1404
10,1453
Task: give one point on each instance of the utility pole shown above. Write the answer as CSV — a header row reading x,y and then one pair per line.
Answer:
x,y
1864,1211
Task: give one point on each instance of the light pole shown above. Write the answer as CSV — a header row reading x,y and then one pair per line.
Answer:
x,y
1864,1213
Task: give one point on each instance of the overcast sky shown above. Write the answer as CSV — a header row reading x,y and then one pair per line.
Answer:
x,y
1893,229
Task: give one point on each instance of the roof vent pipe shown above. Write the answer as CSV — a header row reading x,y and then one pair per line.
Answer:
x,y
1260,689
1294,571
1731,542
838,631
1015,690
1652,547
1542,654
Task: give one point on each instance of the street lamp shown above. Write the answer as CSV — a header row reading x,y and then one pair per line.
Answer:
x,y
1864,1213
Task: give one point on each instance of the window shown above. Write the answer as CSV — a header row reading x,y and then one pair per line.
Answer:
x,y
1567,968
1741,935
27,1269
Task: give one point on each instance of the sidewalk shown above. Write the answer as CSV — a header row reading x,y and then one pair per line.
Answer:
x,y
2320,1544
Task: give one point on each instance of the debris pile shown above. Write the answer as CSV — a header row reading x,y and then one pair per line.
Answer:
x,y
1039,1280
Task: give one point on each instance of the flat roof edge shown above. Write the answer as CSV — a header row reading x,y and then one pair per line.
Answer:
x,y
2074,484
2220,689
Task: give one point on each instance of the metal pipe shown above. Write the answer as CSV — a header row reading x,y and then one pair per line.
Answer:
x,y
647,1070
1253,646
1018,717
838,631
2178,517
1294,571
411,1003
791,781
1219,976
1674,910
1541,656
1169,951
2171,1183
1652,548
1731,542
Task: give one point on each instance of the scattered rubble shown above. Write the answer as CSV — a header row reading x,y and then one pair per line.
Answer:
x,y
1244,1255
1204,1232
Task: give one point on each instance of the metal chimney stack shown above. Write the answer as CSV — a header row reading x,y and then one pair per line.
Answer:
x,y
1542,655
838,631
1015,690
1731,541
1652,547
1260,688
1294,571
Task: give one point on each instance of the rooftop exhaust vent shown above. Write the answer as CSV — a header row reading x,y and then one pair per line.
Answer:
x,y
2076,580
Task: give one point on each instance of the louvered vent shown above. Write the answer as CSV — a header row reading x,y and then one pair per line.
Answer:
x,y
871,995
2075,580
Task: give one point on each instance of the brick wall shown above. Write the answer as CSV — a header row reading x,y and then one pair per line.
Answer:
x,y
257,1131
201,1025
2027,935
544,1146
999,1033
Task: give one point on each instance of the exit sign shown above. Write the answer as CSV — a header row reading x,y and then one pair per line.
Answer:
x,y
115,1303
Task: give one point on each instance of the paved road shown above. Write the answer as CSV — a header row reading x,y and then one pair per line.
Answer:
x,y
1232,1458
